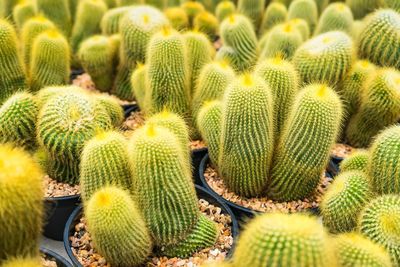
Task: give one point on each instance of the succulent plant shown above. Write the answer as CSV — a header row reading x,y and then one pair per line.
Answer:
x,y
58,12
128,2
322,4
177,17
50,60
336,17
274,14
361,8
297,169
118,228
358,160
247,129
393,4
18,120
302,26
110,22
48,92
380,222
12,71
304,9
110,3
277,239
23,262
224,9
22,12
192,9
379,108
354,249
6,7
253,9
344,200
380,38
207,23
112,107
325,58
21,207
138,83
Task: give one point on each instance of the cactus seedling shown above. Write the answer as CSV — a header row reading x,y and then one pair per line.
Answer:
x,y
356,161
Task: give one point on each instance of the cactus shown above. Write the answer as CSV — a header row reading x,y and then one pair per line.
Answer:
x,y
277,239
393,4
96,57
12,72
356,161
115,42
72,4
237,33
207,23
274,14
112,107
253,9
129,2
209,125
384,164
199,53
361,8
302,26
178,18
342,203
21,206
304,9
224,9
117,227
166,193
380,39
48,92
336,17
380,222
283,80
322,4
65,123
192,9
18,120
159,4
23,262
110,22
22,12
283,39
285,2
138,83
6,7
58,12
50,60
325,58
246,136
110,3
136,28
297,169
355,250
380,107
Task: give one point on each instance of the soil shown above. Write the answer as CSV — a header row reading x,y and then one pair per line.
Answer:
x,y
57,189
342,150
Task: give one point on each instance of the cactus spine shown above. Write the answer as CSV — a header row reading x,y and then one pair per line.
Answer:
x,y
58,12
297,169
23,12
224,9
111,20
356,161
274,14
304,9
336,17
117,227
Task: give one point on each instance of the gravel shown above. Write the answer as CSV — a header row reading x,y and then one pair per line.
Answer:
x,y
57,189
342,150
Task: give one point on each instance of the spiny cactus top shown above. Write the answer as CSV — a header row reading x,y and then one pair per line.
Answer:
x,y
336,17
356,161
177,17
224,9
111,20
274,14
22,12
304,9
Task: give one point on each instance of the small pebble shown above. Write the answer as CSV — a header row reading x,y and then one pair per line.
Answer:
x,y
342,150
57,189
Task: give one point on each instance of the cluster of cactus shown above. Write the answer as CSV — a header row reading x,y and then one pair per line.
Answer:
x,y
22,12
58,12
336,17
356,161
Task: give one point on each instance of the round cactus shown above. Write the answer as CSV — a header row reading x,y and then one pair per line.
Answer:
x,y
304,9
23,262
112,107
117,227
355,250
58,12
46,93
345,198
21,206
302,26
336,17
284,240
298,168
207,23
138,83
274,14
380,222
379,40
356,161
361,8
326,58
224,9
177,17
22,12
253,9
111,20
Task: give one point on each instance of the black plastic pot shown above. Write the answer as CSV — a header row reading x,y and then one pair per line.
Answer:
x,y
75,73
197,156
201,193
58,210
61,261
129,108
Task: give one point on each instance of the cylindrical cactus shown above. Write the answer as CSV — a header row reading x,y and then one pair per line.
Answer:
x,y
304,9
21,203
22,12
58,12
284,240
247,135
274,14
297,169
356,161
207,23
345,198
224,9
117,227
361,8
336,17
380,222
50,60
379,108
6,7
325,58
138,83
302,26
110,22
177,17
253,9
112,107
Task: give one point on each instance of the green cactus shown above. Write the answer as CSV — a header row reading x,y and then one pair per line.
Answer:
x,y
380,222
342,203
297,169
6,7
274,14
302,26
96,57
361,8
48,92
355,250
285,2
50,61
224,9
207,23
166,193
112,107
282,78
336,17
138,83
72,4
304,9
384,164
283,40
136,28
111,20
129,2
393,4
58,12
18,120
326,58
278,239
65,123
178,18
117,227
238,34
379,108
253,9
209,124
21,203
192,9
358,160
22,12
358,26
23,262
322,4
110,3
159,4
11,68
379,40
115,42
247,138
